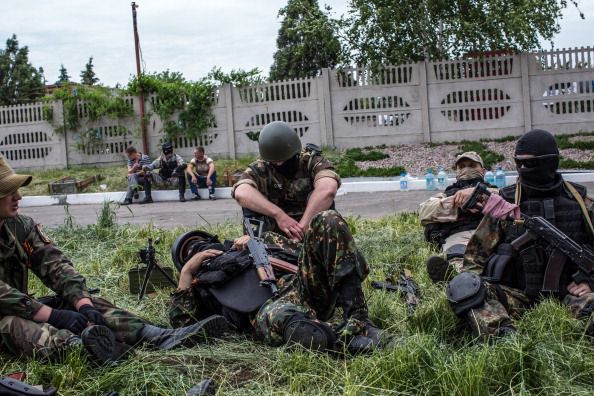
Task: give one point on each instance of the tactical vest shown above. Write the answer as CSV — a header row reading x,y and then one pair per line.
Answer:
x,y
527,268
14,269
168,166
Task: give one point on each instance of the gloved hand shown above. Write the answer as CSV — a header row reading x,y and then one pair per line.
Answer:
x,y
69,320
92,314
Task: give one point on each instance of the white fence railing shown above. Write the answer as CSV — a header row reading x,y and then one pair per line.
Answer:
x,y
432,101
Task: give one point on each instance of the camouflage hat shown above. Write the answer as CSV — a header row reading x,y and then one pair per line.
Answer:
x,y
10,181
471,155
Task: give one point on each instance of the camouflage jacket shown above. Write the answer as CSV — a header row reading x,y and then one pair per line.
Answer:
x,y
289,194
24,247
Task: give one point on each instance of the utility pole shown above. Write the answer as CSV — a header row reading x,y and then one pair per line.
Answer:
x,y
139,77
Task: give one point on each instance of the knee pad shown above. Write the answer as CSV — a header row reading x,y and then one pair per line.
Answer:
x,y
466,291
309,333
455,251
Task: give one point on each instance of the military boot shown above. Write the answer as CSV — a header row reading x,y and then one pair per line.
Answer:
x,y
99,341
352,301
147,192
211,327
439,269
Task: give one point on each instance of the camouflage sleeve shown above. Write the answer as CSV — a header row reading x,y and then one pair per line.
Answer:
x,y
482,243
320,167
13,302
252,177
179,159
53,268
434,210
183,309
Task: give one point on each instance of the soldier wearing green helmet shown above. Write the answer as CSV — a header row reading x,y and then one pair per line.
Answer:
x,y
292,190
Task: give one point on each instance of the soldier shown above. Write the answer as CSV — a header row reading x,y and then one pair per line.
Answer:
x,y
446,225
171,172
31,328
515,281
293,191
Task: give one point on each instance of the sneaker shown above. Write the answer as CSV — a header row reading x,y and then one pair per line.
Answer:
x,y
182,198
439,270
196,198
212,197
147,200
136,189
127,201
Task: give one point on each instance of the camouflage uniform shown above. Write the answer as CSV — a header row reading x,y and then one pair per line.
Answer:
x,y
504,302
24,247
288,194
327,255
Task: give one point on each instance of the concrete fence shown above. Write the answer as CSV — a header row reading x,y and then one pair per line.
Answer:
x,y
411,103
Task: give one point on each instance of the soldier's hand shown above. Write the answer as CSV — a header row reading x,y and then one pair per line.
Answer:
x,y
461,196
196,260
290,227
92,315
69,320
240,243
578,290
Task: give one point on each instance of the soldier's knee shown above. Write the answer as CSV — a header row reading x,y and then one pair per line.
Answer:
x,y
328,219
466,291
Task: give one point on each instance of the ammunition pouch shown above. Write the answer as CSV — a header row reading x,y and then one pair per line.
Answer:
x,y
455,251
466,291
493,271
534,265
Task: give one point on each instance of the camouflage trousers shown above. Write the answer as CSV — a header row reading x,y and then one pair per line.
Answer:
x,y
503,304
327,256
23,337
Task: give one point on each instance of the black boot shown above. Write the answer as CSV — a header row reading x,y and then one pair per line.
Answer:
x,y
309,333
213,326
99,342
352,301
147,191
439,269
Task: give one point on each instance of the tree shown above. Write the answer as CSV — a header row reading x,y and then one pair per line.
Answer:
x,y
20,82
307,41
64,77
392,32
87,76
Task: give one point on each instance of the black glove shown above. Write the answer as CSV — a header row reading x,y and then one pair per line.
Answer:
x,y
69,320
92,315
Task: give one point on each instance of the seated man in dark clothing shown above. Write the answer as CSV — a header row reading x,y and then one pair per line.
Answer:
x,y
171,168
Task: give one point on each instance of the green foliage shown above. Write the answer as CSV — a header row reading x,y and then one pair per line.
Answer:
x,y
307,41
87,76
20,82
431,353
64,77
183,106
358,155
380,32
564,141
489,157
237,78
97,102
566,163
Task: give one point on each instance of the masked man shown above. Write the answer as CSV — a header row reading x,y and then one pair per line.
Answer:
x,y
171,172
513,280
292,191
446,225
33,329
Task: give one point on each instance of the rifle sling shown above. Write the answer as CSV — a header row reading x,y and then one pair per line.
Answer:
x,y
580,202
553,271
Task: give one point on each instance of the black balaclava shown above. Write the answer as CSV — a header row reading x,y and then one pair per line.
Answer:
x,y
538,142
288,168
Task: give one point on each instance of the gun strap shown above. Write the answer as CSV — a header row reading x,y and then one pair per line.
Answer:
x,y
580,202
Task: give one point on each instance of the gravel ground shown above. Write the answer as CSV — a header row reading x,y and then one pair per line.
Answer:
x,y
417,158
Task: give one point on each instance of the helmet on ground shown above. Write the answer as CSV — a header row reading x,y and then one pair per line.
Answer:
x,y
278,142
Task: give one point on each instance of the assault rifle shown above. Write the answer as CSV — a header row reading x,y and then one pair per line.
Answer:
x,y
563,246
258,253
406,287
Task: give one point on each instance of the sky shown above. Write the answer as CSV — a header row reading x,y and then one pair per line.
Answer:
x,y
189,36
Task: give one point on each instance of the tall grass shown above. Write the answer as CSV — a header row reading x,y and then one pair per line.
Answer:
x,y
432,353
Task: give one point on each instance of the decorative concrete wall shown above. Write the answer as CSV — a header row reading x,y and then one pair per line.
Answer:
x,y
353,107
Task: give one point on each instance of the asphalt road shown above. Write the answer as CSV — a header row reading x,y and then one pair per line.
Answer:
x,y
199,213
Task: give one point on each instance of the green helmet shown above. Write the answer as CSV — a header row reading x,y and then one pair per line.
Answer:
x,y
278,142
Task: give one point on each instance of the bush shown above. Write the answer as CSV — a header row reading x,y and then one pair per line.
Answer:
x,y
357,154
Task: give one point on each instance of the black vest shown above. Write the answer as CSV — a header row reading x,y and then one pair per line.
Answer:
x,y
558,206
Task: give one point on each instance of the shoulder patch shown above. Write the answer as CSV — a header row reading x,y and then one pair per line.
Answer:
x,y
42,235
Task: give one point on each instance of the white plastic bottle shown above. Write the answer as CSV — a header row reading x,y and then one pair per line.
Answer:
x,y
430,180
404,181
442,179
500,177
490,177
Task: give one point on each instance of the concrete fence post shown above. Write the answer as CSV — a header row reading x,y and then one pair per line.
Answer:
x,y
424,99
325,106
228,90
526,100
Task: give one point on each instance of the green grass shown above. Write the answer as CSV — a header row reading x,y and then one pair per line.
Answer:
x,y
435,355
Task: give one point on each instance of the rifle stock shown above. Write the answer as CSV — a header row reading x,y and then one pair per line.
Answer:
x,y
258,253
